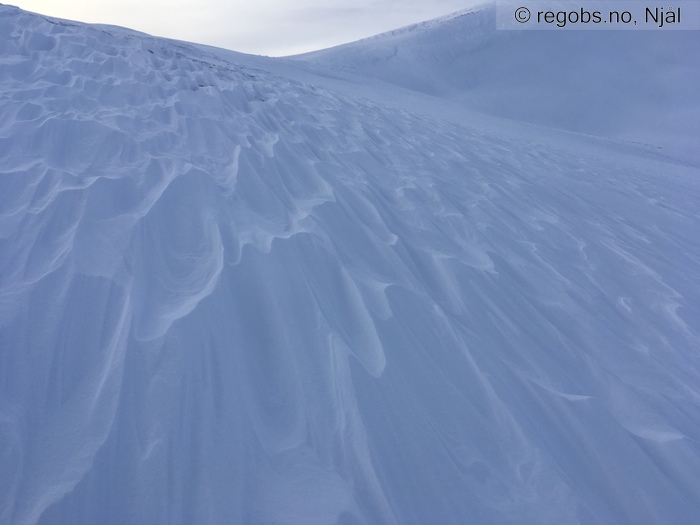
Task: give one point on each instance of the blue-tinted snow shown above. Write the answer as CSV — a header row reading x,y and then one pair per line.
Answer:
x,y
634,85
233,291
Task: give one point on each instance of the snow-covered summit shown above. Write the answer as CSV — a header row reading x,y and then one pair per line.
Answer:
x,y
636,85
244,290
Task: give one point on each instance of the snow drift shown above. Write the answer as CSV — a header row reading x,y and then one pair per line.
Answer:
x,y
231,291
633,85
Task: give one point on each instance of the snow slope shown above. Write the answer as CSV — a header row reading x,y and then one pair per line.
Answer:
x,y
634,85
233,291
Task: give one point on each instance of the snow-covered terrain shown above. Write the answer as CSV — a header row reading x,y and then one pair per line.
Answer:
x,y
285,291
635,85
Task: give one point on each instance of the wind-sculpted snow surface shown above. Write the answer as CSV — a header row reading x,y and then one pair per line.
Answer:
x,y
635,85
229,296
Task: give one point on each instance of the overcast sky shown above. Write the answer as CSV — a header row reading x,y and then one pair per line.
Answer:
x,y
264,27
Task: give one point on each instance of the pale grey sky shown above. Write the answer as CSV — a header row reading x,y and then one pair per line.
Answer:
x,y
265,27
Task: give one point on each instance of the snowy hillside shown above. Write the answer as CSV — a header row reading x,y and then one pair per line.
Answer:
x,y
254,291
634,85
